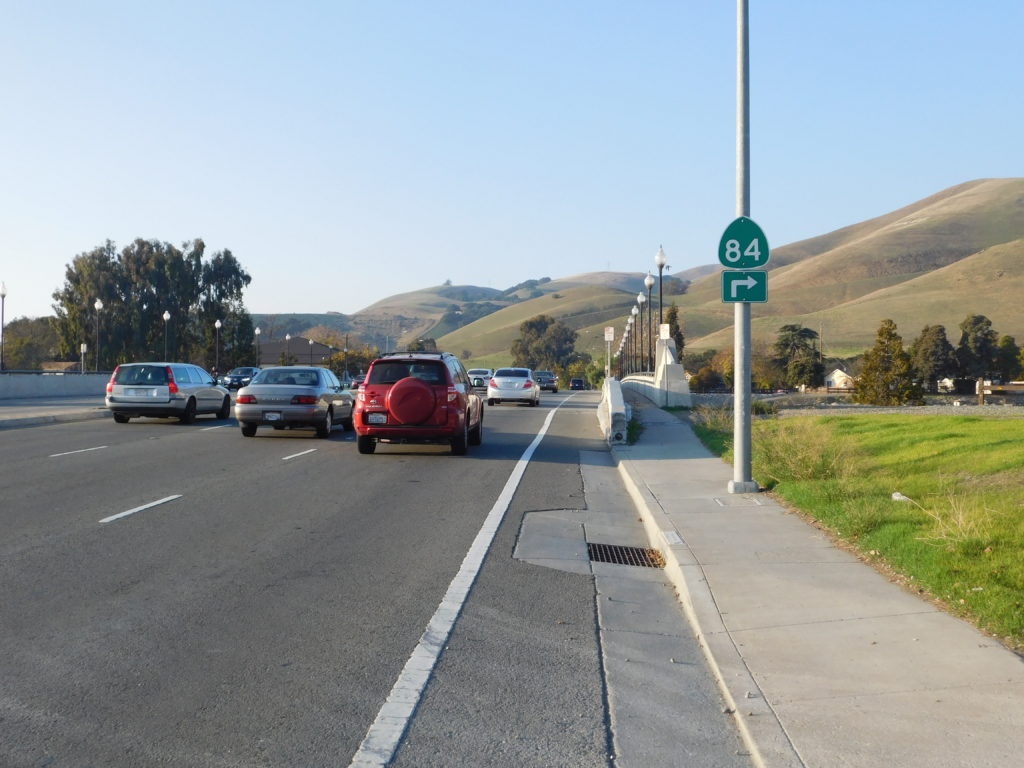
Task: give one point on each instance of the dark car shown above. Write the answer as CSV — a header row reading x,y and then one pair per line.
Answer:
x,y
418,397
237,378
577,384
546,380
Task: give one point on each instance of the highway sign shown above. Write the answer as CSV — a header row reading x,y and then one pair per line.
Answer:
x,y
743,245
609,333
749,286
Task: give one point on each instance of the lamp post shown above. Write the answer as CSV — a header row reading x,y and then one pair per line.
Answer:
x,y
259,357
3,300
634,329
660,259
216,359
640,299
310,351
649,282
288,348
98,306
166,316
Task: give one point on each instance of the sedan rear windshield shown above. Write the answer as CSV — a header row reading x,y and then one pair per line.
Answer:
x,y
392,371
288,377
152,375
519,373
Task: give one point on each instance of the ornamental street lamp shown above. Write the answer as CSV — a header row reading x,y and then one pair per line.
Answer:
x,y
288,348
310,351
216,363
98,306
641,351
649,282
3,300
259,357
634,329
167,316
660,259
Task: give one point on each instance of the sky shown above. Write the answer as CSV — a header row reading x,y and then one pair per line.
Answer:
x,y
346,151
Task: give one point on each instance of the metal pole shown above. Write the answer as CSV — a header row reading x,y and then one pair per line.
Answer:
x,y
97,340
650,330
3,341
742,481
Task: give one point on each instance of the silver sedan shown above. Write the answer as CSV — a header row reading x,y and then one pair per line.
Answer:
x,y
290,396
513,385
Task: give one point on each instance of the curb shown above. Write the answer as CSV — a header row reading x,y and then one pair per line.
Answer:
x,y
758,724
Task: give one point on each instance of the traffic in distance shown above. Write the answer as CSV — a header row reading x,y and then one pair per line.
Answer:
x,y
405,397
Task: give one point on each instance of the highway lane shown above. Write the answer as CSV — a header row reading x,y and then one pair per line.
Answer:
x,y
258,619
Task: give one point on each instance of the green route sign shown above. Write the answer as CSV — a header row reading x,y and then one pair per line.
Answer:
x,y
750,285
743,245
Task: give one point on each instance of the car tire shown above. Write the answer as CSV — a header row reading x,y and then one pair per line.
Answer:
x,y
461,440
476,434
490,401
347,424
249,430
121,418
323,429
189,414
535,402
366,444
225,408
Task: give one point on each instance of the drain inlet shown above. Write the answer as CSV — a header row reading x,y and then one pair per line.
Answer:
x,y
616,554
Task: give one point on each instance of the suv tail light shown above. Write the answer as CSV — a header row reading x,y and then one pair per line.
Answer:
x,y
246,399
452,394
304,400
110,384
172,386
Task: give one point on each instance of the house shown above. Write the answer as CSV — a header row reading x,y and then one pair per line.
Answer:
x,y
840,379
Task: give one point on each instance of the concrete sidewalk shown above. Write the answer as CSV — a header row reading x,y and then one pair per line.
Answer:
x,y
825,662
30,412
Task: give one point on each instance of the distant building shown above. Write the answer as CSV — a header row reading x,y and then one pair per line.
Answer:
x,y
840,379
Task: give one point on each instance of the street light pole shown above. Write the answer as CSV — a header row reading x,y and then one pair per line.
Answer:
x,y
660,259
310,351
216,359
288,348
166,316
259,357
649,282
98,306
3,300
640,299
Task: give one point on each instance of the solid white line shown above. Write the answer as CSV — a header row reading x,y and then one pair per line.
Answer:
x,y
381,741
219,426
296,455
83,450
119,515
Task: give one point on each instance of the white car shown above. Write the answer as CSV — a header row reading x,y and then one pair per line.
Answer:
x,y
513,385
164,390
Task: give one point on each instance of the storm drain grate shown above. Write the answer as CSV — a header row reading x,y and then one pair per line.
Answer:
x,y
619,555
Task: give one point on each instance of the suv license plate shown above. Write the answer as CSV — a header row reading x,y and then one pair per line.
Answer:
x,y
272,415
376,418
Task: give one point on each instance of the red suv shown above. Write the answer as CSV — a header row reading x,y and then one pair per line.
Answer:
x,y
418,397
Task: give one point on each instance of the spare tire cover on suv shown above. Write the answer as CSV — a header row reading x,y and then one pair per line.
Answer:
x,y
410,401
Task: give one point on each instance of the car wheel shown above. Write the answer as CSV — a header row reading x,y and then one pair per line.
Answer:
x,y
249,430
121,418
476,434
490,401
366,444
323,429
347,424
225,408
535,402
461,440
189,414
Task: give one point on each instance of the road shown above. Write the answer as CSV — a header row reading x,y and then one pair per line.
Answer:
x,y
261,612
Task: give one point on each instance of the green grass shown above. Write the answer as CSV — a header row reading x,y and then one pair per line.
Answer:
x,y
960,537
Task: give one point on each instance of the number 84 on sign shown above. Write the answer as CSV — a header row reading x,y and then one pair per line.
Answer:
x,y
743,245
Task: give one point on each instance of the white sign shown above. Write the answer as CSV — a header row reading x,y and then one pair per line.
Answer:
x,y
664,331
609,333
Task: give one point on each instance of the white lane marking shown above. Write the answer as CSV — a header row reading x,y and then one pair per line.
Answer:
x,y
119,515
82,450
219,426
296,455
382,740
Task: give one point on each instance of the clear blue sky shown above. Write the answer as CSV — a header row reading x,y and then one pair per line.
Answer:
x,y
346,151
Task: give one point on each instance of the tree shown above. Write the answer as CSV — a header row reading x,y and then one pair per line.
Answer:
x,y
544,344
28,343
932,357
421,345
796,356
1007,359
675,330
707,379
886,378
975,353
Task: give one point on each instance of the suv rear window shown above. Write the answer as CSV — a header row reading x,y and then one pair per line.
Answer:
x,y
141,374
395,370
511,372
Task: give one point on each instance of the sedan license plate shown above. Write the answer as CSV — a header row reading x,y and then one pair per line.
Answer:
x,y
272,415
376,418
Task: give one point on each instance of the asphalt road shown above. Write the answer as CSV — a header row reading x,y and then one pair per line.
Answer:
x,y
260,614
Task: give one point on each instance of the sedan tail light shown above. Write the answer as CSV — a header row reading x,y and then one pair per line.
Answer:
x,y
492,384
110,384
172,387
246,399
527,384
304,400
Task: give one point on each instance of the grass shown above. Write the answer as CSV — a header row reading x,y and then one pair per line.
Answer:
x,y
959,535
